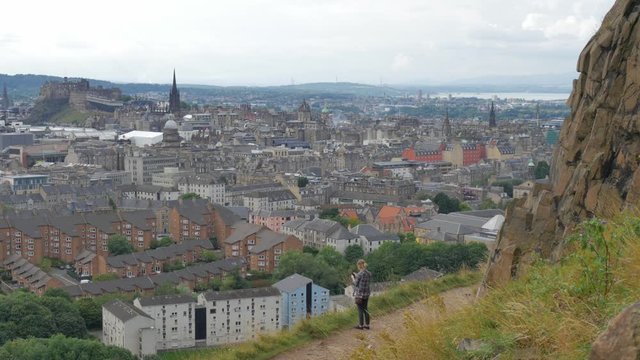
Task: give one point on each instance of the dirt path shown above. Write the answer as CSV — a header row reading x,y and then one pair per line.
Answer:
x,y
340,345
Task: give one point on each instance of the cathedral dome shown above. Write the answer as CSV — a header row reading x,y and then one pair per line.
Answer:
x,y
170,125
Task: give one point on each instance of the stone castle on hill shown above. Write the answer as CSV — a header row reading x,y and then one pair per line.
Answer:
x,y
81,96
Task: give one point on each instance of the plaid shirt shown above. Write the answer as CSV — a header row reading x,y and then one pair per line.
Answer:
x,y
361,289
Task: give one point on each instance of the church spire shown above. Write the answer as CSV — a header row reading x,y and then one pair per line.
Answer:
x,y
446,125
492,116
174,96
5,98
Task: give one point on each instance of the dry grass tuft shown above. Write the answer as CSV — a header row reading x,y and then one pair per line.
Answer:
x,y
552,312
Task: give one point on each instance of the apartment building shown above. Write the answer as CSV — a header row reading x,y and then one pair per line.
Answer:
x,y
301,298
174,317
207,187
270,200
240,315
125,326
191,219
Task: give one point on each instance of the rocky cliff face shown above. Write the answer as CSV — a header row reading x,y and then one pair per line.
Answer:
x,y
595,171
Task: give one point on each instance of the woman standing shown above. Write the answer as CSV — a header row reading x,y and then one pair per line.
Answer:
x,y
361,292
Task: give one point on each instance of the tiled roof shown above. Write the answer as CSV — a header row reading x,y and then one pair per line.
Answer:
x,y
241,293
123,311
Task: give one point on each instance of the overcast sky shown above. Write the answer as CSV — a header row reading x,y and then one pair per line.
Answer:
x,y
272,42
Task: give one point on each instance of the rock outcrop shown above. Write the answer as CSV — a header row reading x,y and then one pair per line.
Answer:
x,y
621,339
595,169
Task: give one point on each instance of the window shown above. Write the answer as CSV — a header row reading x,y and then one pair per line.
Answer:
x,y
68,239
68,251
277,251
251,242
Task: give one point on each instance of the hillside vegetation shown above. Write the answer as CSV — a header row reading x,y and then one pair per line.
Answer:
x,y
554,311
321,327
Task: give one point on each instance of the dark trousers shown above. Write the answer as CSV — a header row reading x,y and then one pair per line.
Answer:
x,y
363,312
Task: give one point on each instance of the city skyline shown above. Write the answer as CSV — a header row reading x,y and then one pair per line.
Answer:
x,y
278,43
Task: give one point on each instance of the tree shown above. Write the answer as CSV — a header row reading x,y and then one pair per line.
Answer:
x,y
541,170
422,195
91,312
314,268
189,196
391,261
487,204
507,185
66,316
118,245
330,213
233,281
303,181
465,207
353,253
407,237
112,204
209,256
163,242
446,204
25,315
62,348
332,258
57,292
176,265
310,250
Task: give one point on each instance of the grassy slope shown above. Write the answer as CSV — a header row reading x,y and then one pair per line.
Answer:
x,y
70,116
268,346
553,312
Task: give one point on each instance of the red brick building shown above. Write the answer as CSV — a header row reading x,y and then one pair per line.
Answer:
x,y
428,156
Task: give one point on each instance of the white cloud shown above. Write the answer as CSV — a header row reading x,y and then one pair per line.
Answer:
x,y
567,26
401,62
270,41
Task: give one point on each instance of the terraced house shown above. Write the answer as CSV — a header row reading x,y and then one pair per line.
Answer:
x,y
191,219
141,263
261,247
65,237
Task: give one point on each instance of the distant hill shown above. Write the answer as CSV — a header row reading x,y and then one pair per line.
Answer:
x,y
28,86
25,86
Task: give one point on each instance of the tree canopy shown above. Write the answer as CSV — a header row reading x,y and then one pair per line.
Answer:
x,y
302,182
446,204
325,269
163,242
189,196
391,260
118,245
353,253
541,170
60,347
24,315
